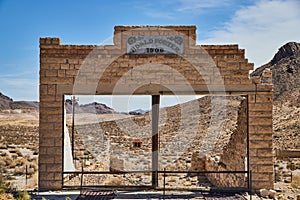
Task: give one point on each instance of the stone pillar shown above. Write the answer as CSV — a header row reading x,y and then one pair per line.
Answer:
x,y
260,139
50,120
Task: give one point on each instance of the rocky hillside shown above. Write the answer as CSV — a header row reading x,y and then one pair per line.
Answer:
x,y
285,67
7,103
195,131
94,107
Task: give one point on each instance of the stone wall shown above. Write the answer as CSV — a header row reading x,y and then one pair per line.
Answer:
x,y
232,157
92,69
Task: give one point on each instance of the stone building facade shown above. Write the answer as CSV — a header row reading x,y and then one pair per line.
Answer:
x,y
170,63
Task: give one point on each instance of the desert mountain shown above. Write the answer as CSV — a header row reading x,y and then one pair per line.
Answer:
x,y
94,107
285,67
138,112
7,103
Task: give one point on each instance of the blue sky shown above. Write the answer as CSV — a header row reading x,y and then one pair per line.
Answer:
x,y
259,26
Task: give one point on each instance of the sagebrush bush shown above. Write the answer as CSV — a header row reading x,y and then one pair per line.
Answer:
x,y
23,195
4,188
296,181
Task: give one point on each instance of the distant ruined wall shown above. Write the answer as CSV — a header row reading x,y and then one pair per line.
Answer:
x,y
233,156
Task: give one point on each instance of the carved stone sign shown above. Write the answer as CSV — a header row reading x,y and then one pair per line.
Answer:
x,y
155,44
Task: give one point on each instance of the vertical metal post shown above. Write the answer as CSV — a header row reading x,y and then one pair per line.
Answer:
x,y
248,144
26,177
73,124
81,180
155,115
250,184
164,193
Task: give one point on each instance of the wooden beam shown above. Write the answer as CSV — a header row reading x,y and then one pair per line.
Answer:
x,y
155,141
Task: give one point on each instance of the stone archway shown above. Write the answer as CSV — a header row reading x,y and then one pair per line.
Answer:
x,y
75,69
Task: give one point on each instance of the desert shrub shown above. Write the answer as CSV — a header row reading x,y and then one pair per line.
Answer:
x,y
116,182
2,163
6,196
20,162
291,166
3,146
298,165
4,189
10,163
23,195
18,152
14,156
33,166
4,154
12,150
296,181
19,171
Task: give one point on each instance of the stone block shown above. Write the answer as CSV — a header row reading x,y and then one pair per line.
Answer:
x,y
260,106
263,121
260,144
267,152
265,168
54,168
116,164
198,162
71,73
47,142
65,66
45,176
46,159
264,193
49,185
43,89
272,194
51,89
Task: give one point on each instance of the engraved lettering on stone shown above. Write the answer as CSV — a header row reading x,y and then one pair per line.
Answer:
x,y
155,44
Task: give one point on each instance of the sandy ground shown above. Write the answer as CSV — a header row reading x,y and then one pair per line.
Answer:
x,y
89,118
27,119
31,119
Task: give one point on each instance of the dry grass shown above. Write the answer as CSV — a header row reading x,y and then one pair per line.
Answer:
x,y
6,196
116,181
4,189
296,181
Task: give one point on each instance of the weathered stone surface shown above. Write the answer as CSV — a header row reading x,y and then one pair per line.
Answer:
x,y
264,193
97,70
116,164
198,162
272,194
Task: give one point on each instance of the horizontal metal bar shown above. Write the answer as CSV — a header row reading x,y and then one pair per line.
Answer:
x,y
149,187
160,172
129,187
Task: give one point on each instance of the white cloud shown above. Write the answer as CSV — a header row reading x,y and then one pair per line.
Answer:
x,y
261,29
172,9
201,5
157,14
14,75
